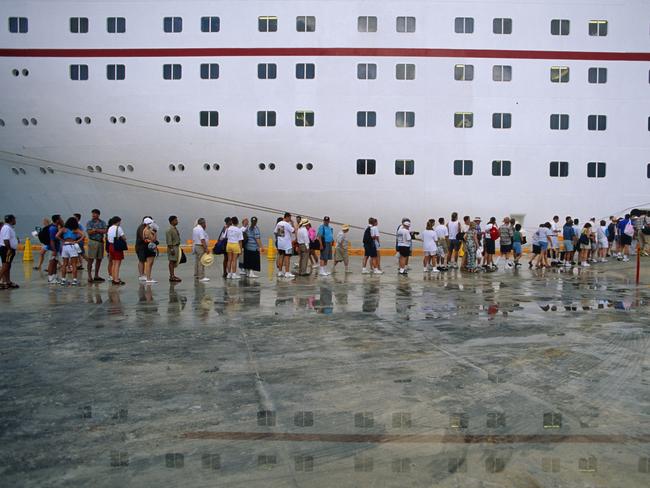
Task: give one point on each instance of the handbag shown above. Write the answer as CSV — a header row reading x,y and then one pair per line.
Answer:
x,y
119,244
183,258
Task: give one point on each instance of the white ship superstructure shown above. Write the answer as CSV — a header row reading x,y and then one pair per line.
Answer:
x,y
345,108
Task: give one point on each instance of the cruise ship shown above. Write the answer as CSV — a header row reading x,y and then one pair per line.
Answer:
x,y
346,108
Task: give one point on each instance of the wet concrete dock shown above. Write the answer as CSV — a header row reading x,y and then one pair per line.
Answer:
x,y
507,379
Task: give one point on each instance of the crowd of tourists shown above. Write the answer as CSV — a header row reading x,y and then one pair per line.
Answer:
x,y
466,244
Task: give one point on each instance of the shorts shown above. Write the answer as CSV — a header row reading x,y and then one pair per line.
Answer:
x,y
554,242
233,247
537,249
443,247
431,253
285,252
315,245
370,250
626,240
568,246
603,244
490,246
173,253
340,254
115,254
326,252
70,251
543,245
516,247
506,248
7,254
404,251
95,249
442,251
140,252
454,245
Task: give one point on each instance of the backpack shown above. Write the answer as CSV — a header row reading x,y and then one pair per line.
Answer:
x,y
44,235
494,233
629,229
367,238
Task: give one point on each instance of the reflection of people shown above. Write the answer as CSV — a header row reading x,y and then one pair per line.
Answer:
x,y
370,298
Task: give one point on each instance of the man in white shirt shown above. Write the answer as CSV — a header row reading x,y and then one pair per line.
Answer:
x,y
284,230
303,244
200,242
454,244
404,245
443,243
556,230
8,246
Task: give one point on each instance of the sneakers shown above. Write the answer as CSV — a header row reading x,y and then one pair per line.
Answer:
x,y
567,264
426,270
204,280
322,272
402,272
365,271
251,274
435,270
603,260
280,274
377,271
243,272
585,264
75,282
289,275
150,282
625,259
142,278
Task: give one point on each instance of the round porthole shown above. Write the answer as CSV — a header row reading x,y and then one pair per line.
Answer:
x,y
177,118
14,170
129,167
272,166
121,168
122,120
113,120
261,166
78,120
33,121
2,123
15,72
90,169
172,167
50,170
216,167
167,119
98,169
87,120
299,166
25,122
25,72
181,167
206,166
42,170
310,166
22,171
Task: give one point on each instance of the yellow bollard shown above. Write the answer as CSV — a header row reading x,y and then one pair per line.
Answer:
x,y
271,251
27,253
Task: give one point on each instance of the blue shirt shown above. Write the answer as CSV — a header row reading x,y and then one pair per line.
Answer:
x,y
567,232
621,225
327,233
57,243
253,235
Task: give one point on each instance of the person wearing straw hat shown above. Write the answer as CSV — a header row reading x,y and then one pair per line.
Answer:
x,y
303,244
207,260
341,251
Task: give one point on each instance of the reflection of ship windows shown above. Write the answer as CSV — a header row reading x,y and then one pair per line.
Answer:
x,y
305,23
495,464
119,459
266,461
596,169
404,167
559,121
367,23
598,28
644,462
267,23
78,72
209,71
501,121
405,24
172,71
457,465
500,168
267,71
404,71
305,71
364,420
366,119
304,463
464,25
464,72
557,169
404,119
402,420
173,24
496,420
597,122
18,25
210,24
560,27
367,71
551,465
366,166
174,460
463,167
304,118
116,25
363,464
459,420
501,72
502,26
209,118
115,71
463,120
79,25
303,419
401,465
211,461
559,74
597,75
266,418
266,118
553,420
588,464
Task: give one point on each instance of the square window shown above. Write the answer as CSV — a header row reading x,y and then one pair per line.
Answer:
x,y
367,71
367,24
305,71
559,121
210,24
596,169
116,25
79,25
266,118
560,27
267,23
502,26
501,168
559,74
556,169
464,25
366,119
18,25
463,120
173,24
405,24
304,118
464,72
115,71
366,167
404,167
209,118
404,119
598,28
306,23
463,167
647,170
172,71
78,72
501,72
209,71
597,122
597,75
405,71
304,419
501,121
267,71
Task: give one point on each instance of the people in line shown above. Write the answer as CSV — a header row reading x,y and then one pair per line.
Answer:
x,y
325,235
8,248
341,251
54,248
116,247
174,252
234,246
96,230
43,251
150,239
404,239
252,249
200,242
471,242
303,240
70,235
284,230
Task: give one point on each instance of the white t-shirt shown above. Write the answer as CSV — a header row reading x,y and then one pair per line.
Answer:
x,y
113,232
284,230
7,233
441,231
403,237
543,234
453,229
199,233
234,235
556,228
600,233
303,236
429,237
487,230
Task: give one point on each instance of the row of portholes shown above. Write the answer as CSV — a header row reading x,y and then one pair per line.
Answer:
x,y
208,167
179,166
98,169
307,166
17,72
168,118
18,171
93,169
121,119
31,121
88,120
263,166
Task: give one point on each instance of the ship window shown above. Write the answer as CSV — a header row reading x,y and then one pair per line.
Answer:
x,y
404,119
18,25
79,25
404,167
598,75
122,168
304,118
116,25
502,26
115,71
90,169
15,171
266,119
463,120
367,23
496,420
596,169
559,121
366,166
649,123
309,166
305,71
210,24
464,72
648,170
2,123
15,72
557,169
597,122
495,464
209,118
216,166
78,72
501,168
560,27
113,120
50,170
551,465
501,121
267,23
559,74
25,122
501,72
261,166
405,71
299,166
25,72
209,71
367,71
42,170
172,167
306,23
463,167
172,71
33,121
588,464
598,28
129,167
173,24
181,167
366,119
267,71
405,24
464,25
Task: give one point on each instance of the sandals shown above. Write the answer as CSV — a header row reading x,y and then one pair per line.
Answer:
x,y
118,282
174,279
11,285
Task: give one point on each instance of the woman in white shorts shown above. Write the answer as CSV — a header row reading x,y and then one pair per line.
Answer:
x,y
70,236
429,238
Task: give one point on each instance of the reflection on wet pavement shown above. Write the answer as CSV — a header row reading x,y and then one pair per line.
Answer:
x,y
509,379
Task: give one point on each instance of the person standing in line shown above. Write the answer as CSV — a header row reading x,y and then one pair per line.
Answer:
x,y
489,243
545,241
568,240
303,247
601,240
626,231
200,242
611,235
471,247
464,227
585,244
537,249
41,255
252,249
442,233
234,246
55,250
284,230
70,235
8,247
430,249
404,245
150,239
141,248
374,233
96,229
279,259
341,252
114,234
454,245
640,221
314,245
173,242
223,236
556,229
517,244
576,236
505,240
244,231
109,261
369,248
326,236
